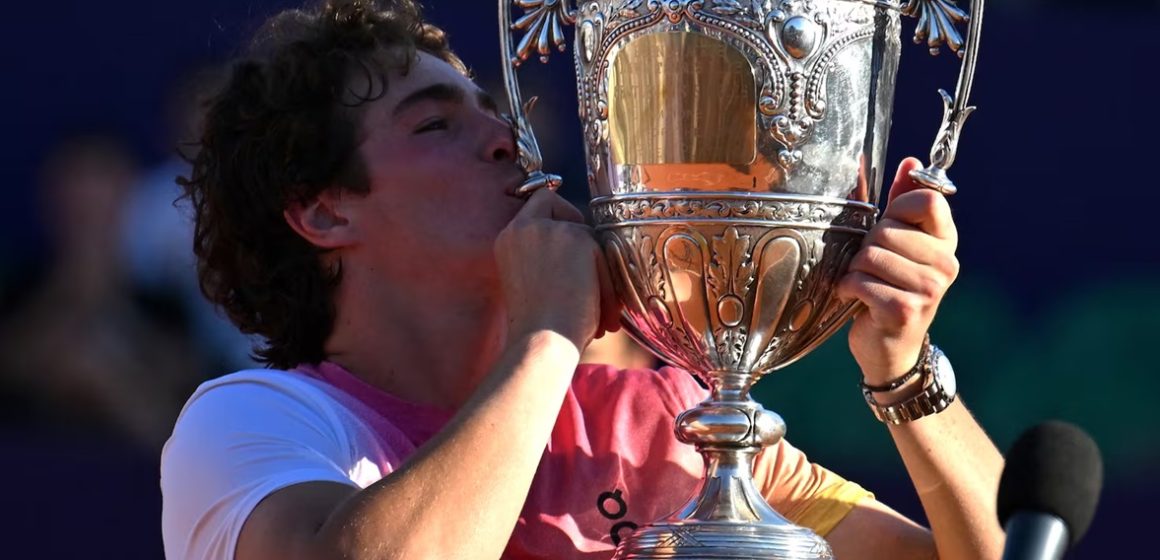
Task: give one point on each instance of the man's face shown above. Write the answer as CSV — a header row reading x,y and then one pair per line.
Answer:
x,y
441,164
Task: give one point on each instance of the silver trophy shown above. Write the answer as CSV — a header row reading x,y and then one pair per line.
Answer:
x,y
735,155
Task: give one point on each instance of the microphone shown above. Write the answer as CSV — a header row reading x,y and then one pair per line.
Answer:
x,y
1048,491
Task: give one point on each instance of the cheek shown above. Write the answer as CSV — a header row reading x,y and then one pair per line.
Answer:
x,y
433,198
440,217
457,197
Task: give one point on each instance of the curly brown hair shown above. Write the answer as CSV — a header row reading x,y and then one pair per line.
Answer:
x,y
284,128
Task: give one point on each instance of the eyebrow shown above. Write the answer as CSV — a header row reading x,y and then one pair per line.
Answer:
x,y
487,101
445,93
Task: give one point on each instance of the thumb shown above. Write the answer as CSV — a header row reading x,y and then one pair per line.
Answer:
x,y
902,181
545,203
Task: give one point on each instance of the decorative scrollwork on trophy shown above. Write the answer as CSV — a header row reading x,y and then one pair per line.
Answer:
x,y
938,22
731,274
543,26
789,212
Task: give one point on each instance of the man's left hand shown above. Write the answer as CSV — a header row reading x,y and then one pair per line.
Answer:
x,y
906,264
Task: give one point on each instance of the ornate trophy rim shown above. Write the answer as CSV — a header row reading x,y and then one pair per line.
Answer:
x,y
770,210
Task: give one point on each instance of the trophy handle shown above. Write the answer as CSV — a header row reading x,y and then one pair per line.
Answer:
x,y
543,23
936,25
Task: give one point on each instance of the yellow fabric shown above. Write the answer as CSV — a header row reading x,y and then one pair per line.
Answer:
x,y
829,507
805,493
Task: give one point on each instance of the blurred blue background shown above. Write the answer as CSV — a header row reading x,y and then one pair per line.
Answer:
x,y
102,336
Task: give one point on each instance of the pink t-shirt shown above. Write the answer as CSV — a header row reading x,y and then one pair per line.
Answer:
x,y
612,462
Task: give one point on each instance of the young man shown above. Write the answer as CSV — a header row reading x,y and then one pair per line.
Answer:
x,y
355,207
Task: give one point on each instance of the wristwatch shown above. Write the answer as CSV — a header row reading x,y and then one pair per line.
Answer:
x,y
938,389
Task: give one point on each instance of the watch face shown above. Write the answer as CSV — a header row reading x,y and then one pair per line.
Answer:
x,y
944,375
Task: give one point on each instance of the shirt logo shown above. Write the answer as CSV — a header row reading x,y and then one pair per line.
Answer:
x,y
612,506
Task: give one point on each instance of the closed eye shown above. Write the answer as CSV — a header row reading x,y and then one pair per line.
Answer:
x,y
432,125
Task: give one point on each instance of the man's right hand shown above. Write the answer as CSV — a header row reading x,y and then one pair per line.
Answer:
x,y
554,274
558,294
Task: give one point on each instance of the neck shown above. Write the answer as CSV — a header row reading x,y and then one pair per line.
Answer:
x,y
430,345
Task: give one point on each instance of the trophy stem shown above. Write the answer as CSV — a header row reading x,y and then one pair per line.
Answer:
x,y
728,517
731,386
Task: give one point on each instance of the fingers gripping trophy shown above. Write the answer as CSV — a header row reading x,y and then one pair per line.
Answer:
x,y
735,154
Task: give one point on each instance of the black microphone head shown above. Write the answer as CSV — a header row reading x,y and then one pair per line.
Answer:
x,y
1053,468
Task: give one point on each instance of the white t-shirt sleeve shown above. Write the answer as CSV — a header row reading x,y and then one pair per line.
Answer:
x,y
241,438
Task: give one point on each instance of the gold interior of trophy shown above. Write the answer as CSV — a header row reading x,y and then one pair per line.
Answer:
x,y
681,98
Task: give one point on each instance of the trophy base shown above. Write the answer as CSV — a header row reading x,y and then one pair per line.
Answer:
x,y
723,540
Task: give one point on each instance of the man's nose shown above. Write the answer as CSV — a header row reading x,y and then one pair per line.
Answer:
x,y
500,143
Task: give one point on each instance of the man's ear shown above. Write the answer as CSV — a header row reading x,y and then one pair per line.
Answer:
x,y
323,221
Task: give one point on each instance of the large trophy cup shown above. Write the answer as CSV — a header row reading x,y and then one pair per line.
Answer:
x,y
735,154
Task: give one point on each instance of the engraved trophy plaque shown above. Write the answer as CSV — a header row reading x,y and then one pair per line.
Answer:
x,y
735,154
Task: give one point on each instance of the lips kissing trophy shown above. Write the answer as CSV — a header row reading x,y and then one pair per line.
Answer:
x,y
735,154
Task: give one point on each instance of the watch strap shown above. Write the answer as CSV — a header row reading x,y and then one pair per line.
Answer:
x,y
932,399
